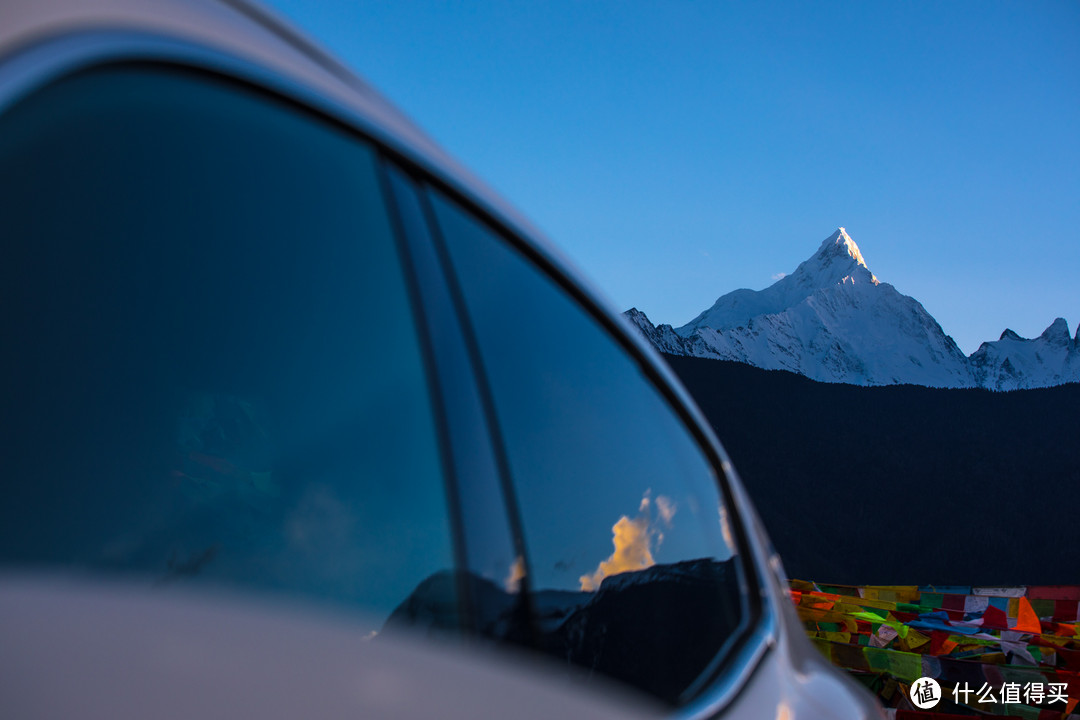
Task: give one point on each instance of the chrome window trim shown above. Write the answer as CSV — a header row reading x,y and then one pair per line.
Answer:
x,y
48,58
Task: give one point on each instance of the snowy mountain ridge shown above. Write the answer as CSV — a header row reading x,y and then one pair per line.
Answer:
x,y
832,320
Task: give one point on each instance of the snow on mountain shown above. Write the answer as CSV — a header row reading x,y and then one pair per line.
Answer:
x,y
1013,362
838,259
832,320
665,338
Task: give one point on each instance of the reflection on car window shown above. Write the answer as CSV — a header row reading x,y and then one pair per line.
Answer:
x,y
210,368
633,570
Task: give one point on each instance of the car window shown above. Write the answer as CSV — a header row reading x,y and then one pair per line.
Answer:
x,y
633,567
210,366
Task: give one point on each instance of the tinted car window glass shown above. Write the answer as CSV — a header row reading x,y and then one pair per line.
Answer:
x,y
633,568
210,367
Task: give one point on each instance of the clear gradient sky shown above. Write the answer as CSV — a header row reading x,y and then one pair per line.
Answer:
x,y
679,150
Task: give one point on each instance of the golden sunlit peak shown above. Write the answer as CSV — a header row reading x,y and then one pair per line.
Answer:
x,y
838,245
852,249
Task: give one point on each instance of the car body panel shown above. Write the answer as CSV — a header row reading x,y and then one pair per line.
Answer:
x,y
77,648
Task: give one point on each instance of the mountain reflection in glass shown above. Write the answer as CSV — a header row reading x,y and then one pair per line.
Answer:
x,y
631,565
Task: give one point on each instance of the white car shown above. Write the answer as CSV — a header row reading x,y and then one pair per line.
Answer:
x,y
262,337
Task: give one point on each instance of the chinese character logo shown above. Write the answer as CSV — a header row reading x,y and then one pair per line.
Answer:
x,y
925,693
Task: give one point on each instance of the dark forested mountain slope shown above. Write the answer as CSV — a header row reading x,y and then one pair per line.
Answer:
x,y
902,484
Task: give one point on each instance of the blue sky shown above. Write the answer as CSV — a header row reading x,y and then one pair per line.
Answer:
x,y
679,150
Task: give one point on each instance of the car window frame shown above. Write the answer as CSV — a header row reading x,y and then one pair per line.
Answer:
x,y
756,615
49,58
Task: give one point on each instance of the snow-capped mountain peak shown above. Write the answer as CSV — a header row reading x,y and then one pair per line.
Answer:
x,y
850,246
1012,362
833,320
830,320
839,247
1057,333
836,260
